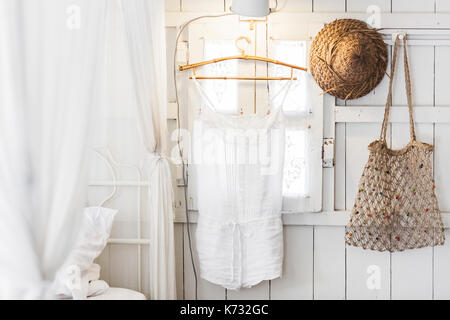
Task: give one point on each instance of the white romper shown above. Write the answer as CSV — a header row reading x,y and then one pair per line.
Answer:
x,y
239,170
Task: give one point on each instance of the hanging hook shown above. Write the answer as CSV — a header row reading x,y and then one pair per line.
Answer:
x,y
237,43
400,35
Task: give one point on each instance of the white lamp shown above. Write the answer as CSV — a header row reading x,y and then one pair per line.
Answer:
x,y
251,8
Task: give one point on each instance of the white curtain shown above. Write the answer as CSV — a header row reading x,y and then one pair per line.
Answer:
x,y
49,57
19,264
145,34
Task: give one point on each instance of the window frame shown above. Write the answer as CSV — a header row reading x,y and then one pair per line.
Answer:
x,y
312,122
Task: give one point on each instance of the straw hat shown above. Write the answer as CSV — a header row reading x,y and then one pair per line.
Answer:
x,y
348,59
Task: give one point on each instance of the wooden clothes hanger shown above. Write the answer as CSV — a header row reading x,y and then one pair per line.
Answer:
x,y
243,56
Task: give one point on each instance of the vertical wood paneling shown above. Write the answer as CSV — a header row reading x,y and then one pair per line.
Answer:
x,y
421,66
442,168
359,270
297,265
412,274
329,263
328,5
412,270
123,266
442,6
179,259
442,75
363,5
103,261
401,136
412,6
145,274
441,269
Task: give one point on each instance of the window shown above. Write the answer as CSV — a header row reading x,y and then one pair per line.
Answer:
x,y
295,180
293,52
296,106
302,184
223,93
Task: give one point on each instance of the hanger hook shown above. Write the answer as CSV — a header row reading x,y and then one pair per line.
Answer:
x,y
237,43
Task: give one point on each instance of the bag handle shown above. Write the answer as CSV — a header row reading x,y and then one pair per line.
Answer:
x,y
408,92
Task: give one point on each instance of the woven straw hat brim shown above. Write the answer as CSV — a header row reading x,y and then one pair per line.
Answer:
x,y
348,59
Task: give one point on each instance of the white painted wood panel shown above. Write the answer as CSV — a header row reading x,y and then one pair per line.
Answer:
x,y
364,5
412,6
103,261
441,270
442,6
442,167
329,263
398,114
362,266
442,75
297,265
412,274
145,276
328,5
421,62
179,258
123,266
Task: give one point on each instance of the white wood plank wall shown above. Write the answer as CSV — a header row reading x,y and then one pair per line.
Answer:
x,y
318,265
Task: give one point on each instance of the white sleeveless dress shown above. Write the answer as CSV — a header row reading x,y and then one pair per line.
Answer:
x,y
239,161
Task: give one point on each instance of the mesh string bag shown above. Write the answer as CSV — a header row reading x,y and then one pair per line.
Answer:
x,y
396,206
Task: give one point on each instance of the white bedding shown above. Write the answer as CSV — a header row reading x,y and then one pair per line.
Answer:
x,y
119,294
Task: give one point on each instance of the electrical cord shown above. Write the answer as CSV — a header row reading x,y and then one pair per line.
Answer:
x,y
183,164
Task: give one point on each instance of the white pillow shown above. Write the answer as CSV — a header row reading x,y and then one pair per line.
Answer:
x,y
72,278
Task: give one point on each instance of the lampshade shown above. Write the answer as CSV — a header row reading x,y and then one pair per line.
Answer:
x,y
251,8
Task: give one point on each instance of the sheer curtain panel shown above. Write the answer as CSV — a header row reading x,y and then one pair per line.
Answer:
x,y
50,54
145,35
